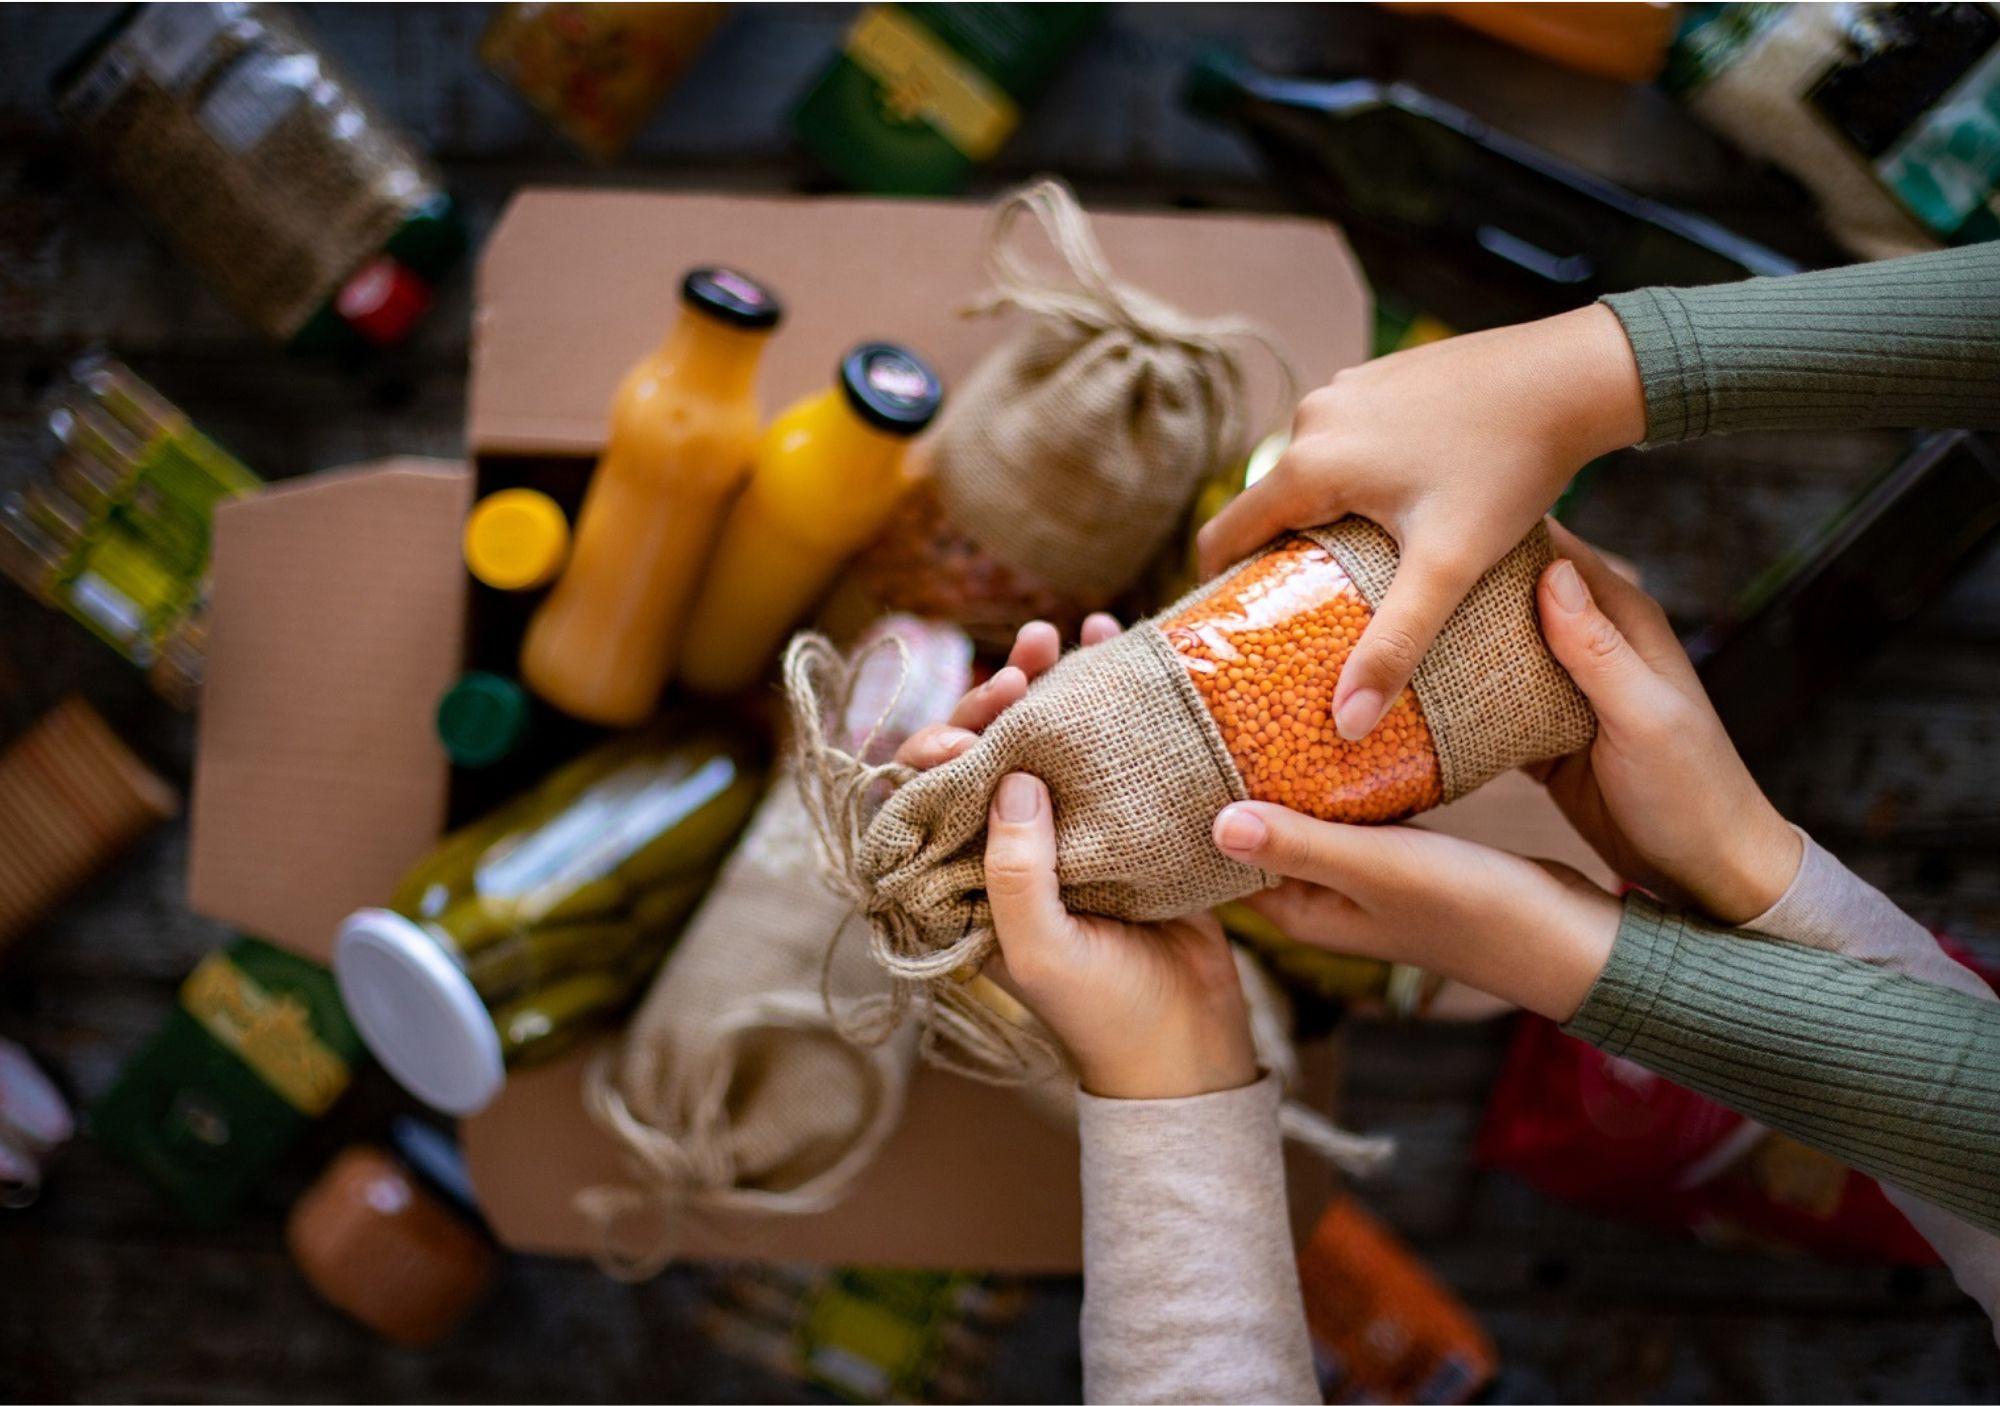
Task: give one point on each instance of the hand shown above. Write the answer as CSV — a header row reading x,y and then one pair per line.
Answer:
x,y
1536,934
1145,1010
1661,793
1455,449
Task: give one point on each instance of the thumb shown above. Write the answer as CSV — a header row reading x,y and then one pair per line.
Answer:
x,y
1028,915
1588,643
1418,602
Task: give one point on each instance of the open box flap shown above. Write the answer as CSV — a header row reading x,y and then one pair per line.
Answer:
x,y
336,613
575,286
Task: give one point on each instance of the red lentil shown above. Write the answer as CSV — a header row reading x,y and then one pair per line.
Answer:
x,y
1264,650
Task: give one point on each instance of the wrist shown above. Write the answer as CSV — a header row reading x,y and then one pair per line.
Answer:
x,y
1756,869
1172,1069
1597,400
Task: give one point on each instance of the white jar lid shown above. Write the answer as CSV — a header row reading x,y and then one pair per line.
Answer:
x,y
418,1012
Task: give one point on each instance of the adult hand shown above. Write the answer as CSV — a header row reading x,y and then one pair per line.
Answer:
x,y
1145,1010
1661,793
1536,934
1455,449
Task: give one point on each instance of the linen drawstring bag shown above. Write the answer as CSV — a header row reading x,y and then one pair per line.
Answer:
x,y
1068,458
1225,696
733,1090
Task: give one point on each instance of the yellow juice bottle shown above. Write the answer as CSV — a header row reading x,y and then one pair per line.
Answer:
x,y
683,431
828,472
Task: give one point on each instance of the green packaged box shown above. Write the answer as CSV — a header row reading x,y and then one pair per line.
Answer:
x,y
256,1049
921,94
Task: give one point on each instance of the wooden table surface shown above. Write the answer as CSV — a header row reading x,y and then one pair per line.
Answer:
x,y
103,1294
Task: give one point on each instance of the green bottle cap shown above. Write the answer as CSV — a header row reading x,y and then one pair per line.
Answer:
x,y
481,718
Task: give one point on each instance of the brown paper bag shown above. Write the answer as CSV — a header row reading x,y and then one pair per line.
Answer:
x,y
1137,769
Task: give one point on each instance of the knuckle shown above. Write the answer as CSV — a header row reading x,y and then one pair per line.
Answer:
x,y
1394,645
1011,871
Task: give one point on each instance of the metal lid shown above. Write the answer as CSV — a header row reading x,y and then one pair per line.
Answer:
x,y
417,1012
732,297
891,387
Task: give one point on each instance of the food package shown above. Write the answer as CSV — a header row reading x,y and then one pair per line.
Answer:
x,y
735,1088
1582,1126
1143,739
1888,114
1069,457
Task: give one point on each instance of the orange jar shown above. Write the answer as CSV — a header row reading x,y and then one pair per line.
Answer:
x,y
1264,648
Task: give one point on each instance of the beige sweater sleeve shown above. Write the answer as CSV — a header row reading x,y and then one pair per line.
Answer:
x,y
1829,907
1190,1281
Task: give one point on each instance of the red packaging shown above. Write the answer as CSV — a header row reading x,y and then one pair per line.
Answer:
x,y
1601,1132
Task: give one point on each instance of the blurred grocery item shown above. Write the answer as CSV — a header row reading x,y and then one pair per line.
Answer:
x,y
256,1049
866,1335
526,930
72,796
1391,160
597,71
116,534
1889,114
482,718
265,169
1383,1326
378,1242
1623,40
1143,738
1068,459
1603,1133
35,1122
750,1078
516,539
920,95
683,433
828,472
1810,619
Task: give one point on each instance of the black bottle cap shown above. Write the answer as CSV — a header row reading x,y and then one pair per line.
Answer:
x,y
732,297
891,387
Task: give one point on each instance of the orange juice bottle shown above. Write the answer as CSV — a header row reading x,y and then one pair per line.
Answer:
x,y
829,471
683,430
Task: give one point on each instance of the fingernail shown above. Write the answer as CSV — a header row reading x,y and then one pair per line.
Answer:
x,y
1239,829
955,740
1359,714
1020,797
1567,587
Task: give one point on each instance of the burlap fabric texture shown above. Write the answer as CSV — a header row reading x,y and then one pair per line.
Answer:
x,y
1072,451
1137,771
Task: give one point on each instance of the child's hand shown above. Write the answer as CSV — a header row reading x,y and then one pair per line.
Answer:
x,y
1454,449
1145,1010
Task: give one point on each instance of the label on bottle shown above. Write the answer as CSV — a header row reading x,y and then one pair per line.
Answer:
x,y
254,95
923,79
272,1034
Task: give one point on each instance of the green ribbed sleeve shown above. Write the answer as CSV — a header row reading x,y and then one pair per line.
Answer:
x,y
1894,1076
1909,343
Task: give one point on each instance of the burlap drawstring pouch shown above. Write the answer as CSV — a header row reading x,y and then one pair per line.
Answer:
x,y
1068,458
734,1090
1225,696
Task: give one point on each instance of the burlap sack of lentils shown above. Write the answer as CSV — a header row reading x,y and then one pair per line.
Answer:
x,y
1072,451
1137,771
736,1088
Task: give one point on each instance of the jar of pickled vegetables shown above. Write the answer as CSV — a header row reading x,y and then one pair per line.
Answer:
x,y
528,929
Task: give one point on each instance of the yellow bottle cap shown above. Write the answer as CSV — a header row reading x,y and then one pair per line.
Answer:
x,y
516,539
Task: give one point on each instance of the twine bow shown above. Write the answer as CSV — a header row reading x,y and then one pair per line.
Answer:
x,y
676,1176
1098,301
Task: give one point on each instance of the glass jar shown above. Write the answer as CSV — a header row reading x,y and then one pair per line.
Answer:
x,y
524,931
1264,648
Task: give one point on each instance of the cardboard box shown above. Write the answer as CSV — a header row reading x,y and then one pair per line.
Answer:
x,y
339,609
